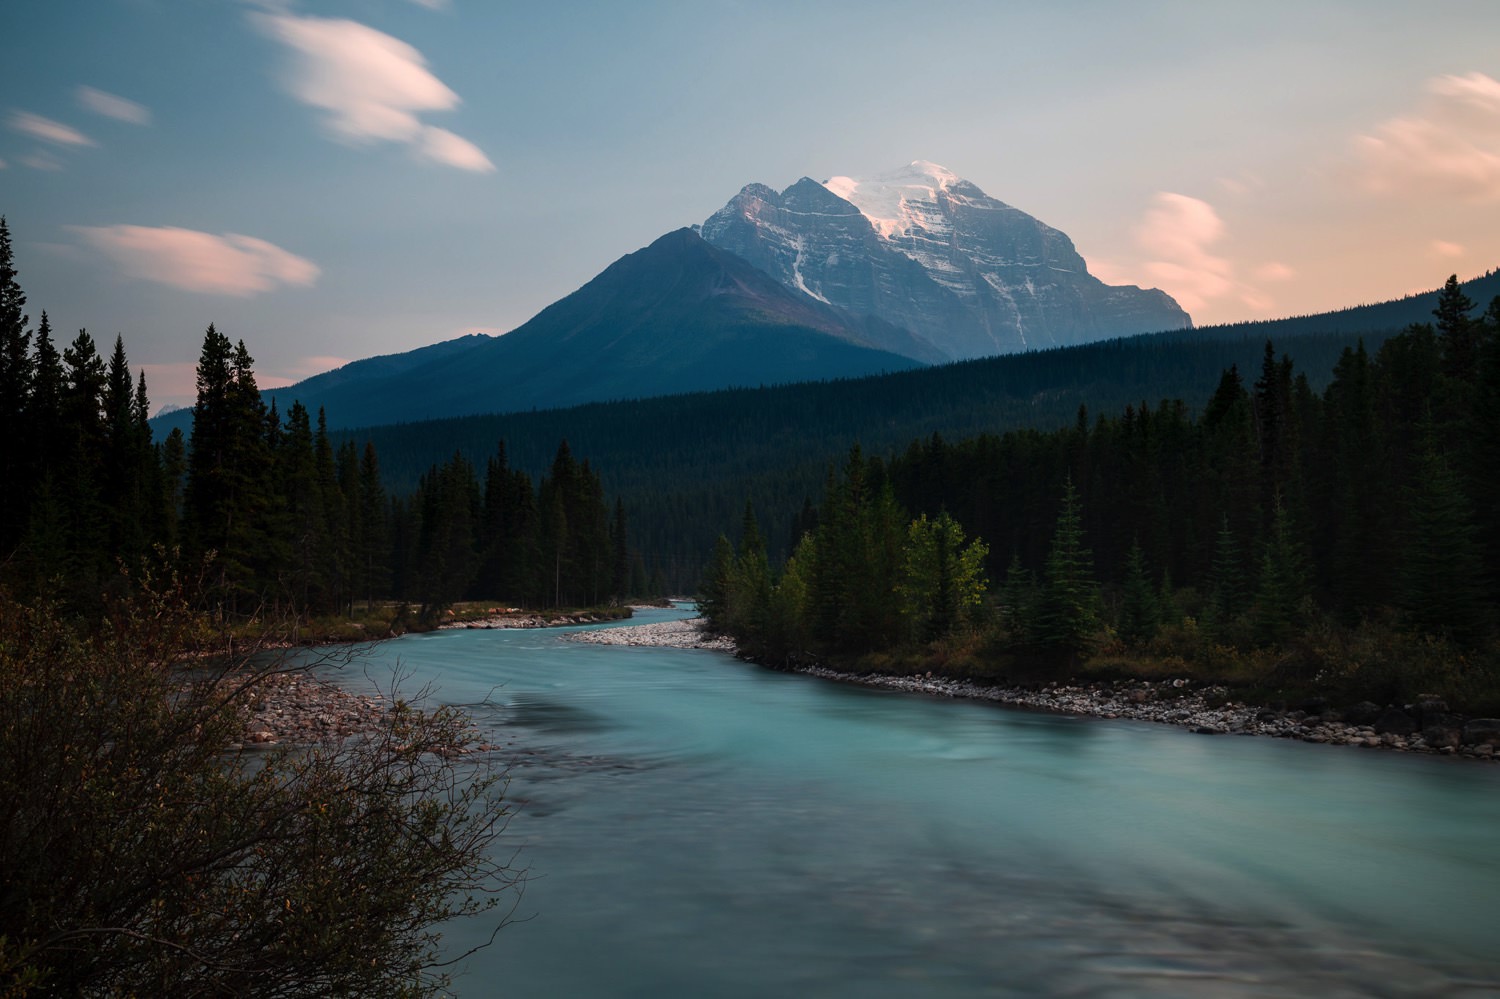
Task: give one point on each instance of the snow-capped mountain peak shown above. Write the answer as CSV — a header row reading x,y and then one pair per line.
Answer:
x,y
897,201
924,249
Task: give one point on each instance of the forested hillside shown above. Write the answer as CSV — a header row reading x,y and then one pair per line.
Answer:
x,y
684,465
1345,541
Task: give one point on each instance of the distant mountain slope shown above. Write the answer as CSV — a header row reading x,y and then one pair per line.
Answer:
x,y
677,316
928,251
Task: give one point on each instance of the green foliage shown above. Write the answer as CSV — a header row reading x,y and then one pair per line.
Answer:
x,y
1139,610
942,582
1068,606
1442,572
1018,602
1282,588
145,854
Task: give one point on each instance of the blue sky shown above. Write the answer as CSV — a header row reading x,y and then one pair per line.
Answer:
x,y
334,179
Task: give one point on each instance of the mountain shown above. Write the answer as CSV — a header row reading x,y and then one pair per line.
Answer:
x,y
677,316
928,251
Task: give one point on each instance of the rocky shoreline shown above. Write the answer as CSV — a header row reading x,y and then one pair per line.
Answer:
x,y
687,634
516,619
1426,726
300,708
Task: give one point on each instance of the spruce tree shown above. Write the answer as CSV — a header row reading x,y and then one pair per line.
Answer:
x,y
1442,571
1228,587
1458,333
16,372
1018,602
1139,614
1282,585
1069,608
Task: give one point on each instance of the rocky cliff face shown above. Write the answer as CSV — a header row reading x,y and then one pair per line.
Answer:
x,y
928,251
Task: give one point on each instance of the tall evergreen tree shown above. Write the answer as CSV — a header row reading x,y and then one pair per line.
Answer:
x,y
1281,586
1458,333
16,372
1139,613
1442,572
1068,613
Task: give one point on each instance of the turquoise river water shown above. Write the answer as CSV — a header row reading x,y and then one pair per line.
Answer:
x,y
698,826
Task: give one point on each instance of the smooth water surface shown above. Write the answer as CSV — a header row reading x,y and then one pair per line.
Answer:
x,y
698,826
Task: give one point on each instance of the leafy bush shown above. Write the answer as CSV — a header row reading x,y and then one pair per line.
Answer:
x,y
146,854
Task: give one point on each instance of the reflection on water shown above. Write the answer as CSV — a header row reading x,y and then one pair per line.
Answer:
x,y
702,827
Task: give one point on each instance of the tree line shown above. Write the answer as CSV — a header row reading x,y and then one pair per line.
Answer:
x,y
1278,518
291,523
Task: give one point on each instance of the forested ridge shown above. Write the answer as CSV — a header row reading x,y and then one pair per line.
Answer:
x,y
1346,541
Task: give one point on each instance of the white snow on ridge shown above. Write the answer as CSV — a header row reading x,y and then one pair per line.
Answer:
x,y
896,202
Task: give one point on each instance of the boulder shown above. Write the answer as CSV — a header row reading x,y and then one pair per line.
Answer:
x,y
1478,731
1363,713
1441,736
1395,722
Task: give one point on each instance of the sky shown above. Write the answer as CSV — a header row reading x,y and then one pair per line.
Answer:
x,y
335,179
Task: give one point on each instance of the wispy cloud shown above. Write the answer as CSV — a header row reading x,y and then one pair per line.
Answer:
x,y
42,160
372,86
47,130
112,106
1450,146
432,4
1443,248
1178,233
1179,238
230,264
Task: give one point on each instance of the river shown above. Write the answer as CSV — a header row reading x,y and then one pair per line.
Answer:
x,y
698,826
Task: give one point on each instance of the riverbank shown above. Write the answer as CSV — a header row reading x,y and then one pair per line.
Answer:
x,y
1424,727
688,634
512,618
301,708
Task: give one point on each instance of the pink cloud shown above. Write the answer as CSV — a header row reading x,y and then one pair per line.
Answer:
x,y
230,264
1450,146
112,106
1178,232
372,86
48,130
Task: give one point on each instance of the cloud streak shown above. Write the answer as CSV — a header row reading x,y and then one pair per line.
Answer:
x,y
112,106
47,130
371,86
230,264
1449,147
1179,233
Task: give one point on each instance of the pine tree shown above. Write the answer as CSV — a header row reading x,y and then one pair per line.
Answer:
x,y
1068,613
1282,584
1228,589
1442,573
16,374
374,542
1458,333
1018,602
1356,520
714,593
1139,614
